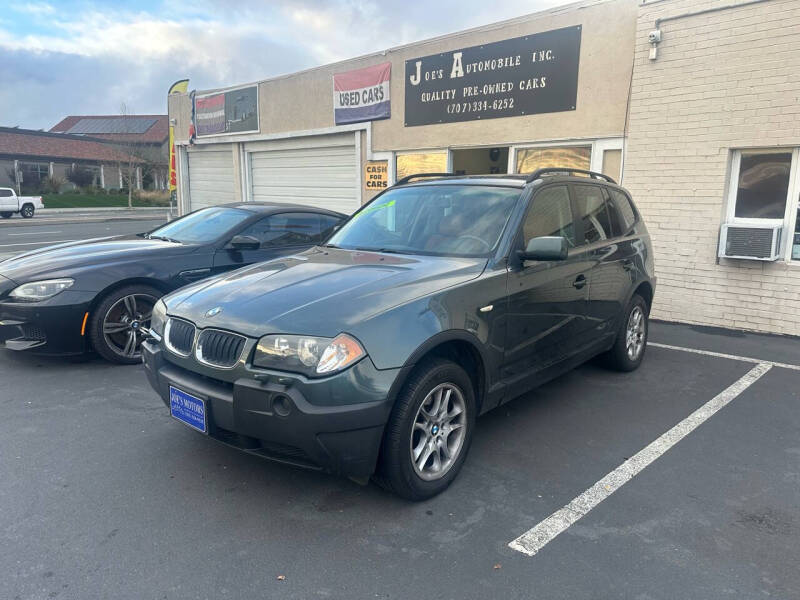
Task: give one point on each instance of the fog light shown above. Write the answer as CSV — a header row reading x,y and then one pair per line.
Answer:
x,y
282,405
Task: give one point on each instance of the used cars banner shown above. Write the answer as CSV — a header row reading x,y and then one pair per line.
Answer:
x,y
533,74
362,95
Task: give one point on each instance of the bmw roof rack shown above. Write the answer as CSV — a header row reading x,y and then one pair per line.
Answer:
x,y
537,174
408,178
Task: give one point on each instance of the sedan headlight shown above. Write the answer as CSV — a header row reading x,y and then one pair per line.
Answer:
x,y
158,319
40,290
312,356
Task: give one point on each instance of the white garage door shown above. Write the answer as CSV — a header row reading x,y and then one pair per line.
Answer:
x,y
211,177
322,173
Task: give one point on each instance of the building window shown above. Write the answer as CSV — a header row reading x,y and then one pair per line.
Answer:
x,y
574,157
422,162
612,163
764,188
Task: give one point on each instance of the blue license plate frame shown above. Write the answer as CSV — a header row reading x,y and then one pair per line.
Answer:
x,y
188,409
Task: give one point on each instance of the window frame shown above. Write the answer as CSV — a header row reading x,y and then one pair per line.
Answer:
x,y
521,241
579,221
789,220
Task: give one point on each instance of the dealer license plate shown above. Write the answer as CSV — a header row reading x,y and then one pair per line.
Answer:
x,y
188,409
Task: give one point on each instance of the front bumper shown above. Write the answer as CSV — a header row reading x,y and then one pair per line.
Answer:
x,y
49,327
249,411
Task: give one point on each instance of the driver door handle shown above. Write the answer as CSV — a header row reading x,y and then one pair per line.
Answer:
x,y
580,282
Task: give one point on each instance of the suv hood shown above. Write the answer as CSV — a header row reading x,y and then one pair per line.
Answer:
x,y
322,291
61,259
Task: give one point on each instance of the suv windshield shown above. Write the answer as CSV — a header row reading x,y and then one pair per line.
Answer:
x,y
205,225
447,220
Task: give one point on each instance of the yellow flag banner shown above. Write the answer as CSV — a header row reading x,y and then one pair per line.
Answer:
x,y
179,87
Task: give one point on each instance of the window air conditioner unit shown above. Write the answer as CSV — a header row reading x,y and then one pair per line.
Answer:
x,y
750,242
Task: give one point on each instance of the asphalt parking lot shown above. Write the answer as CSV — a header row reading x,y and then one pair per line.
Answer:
x,y
104,496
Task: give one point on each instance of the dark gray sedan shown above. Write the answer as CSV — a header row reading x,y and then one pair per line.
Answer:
x,y
99,294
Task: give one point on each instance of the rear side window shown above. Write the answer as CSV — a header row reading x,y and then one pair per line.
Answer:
x,y
592,212
625,208
550,215
291,229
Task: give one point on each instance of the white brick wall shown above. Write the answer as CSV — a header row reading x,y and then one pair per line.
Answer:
x,y
724,80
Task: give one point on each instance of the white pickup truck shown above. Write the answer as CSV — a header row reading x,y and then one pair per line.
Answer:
x,y
10,203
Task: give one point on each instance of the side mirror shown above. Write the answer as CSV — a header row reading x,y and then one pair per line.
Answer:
x,y
245,242
546,248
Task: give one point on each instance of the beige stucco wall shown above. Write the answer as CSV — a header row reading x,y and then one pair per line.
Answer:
x,y
304,101
722,81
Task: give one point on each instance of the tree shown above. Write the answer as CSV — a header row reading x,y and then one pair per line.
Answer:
x,y
131,158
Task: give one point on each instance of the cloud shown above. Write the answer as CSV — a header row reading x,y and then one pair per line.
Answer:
x,y
84,60
33,8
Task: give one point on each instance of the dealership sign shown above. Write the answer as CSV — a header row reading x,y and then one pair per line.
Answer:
x,y
362,95
527,75
232,111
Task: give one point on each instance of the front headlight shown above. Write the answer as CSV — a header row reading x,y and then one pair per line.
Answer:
x,y
159,318
40,290
312,356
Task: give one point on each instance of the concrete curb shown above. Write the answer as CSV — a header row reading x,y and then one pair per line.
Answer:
x,y
66,211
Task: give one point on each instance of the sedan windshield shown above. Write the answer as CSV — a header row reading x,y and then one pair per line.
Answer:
x,y
447,220
202,226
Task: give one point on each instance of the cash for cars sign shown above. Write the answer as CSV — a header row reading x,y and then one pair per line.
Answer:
x,y
362,95
376,175
527,75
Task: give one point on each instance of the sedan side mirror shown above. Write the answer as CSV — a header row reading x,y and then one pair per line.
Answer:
x,y
245,242
546,248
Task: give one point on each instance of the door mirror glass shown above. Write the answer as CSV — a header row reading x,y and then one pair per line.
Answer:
x,y
245,242
546,248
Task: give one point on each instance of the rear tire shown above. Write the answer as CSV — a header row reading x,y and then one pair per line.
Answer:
x,y
6,215
628,351
429,431
27,211
116,323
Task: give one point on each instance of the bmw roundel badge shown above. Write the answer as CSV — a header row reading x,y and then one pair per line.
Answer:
x,y
214,311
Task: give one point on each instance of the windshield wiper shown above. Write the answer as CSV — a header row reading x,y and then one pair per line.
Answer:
x,y
164,239
383,250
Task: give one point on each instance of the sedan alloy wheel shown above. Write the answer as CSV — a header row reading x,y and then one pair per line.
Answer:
x,y
124,321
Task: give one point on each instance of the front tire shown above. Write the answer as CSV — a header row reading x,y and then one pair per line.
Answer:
x,y
27,211
429,432
115,331
628,350
6,215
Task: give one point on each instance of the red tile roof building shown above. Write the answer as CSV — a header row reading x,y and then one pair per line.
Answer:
x,y
137,129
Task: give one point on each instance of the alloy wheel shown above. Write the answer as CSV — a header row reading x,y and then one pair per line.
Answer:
x,y
635,333
124,321
438,433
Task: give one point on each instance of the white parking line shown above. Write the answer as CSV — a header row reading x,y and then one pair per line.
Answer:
x,y
756,361
536,538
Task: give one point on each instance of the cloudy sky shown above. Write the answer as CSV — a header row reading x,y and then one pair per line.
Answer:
x,y
63,57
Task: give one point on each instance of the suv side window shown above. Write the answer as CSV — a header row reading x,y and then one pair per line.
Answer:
x,y
625,208
550,214
290,229
592,213
6,193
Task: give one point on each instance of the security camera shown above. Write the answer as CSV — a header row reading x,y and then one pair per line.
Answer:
x,y
654,36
